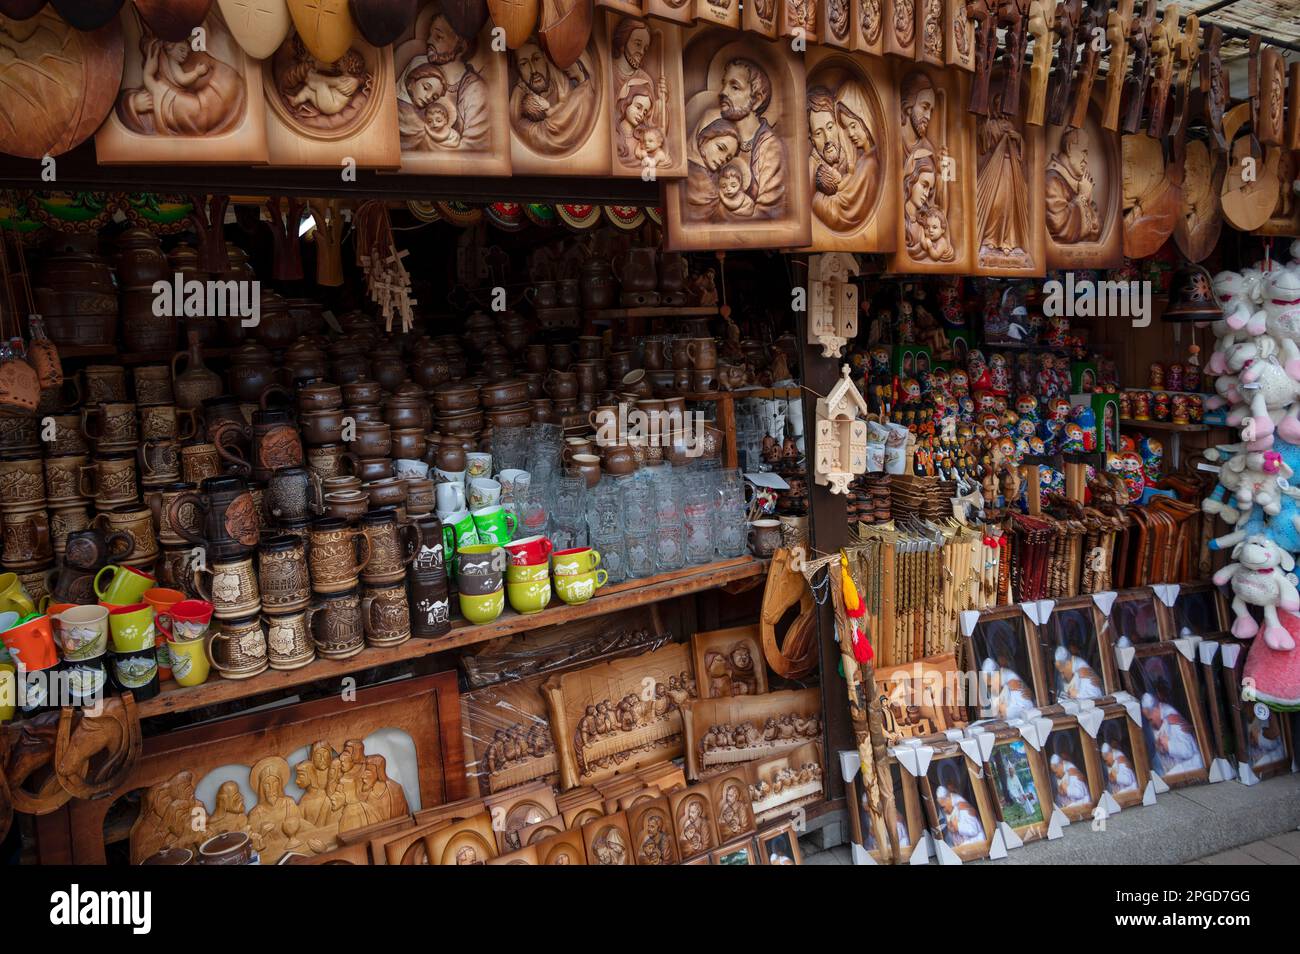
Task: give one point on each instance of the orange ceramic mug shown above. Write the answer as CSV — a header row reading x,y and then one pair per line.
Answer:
x,y
162,600
32,644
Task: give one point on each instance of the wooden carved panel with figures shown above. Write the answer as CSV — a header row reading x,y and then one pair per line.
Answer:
x,y
1152,197
869,26
294,778
729,662
177,104
692,811
759,16
559,118
321,114
797,19
1009,218
566,848
645,83
733,813
747,177
722,732
959,36
674,11
900,27
650,824
508,735
836,23
1083,186
852,155
720,12
780,784
936,171
607,841
469,841
929,31
451,95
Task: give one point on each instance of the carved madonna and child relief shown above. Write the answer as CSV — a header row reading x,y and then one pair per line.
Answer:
x,y
178,104
850,154
1082,192
1008,215
450,92
746,158
645,97
559,120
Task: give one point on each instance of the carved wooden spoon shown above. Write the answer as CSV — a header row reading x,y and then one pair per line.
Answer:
x,y
565,29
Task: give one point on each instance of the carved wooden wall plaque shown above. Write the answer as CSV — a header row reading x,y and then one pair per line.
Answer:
x,y
607,841
508,735
724,731
836,23
676,11
729,662
653,839
959,36
321,114
451,95
645,82
693,821
759,16
936,170
929,31
1009,220
852,152
747,179
900,27
868,26
1083,186
1152,197
797,19
559,119
178,105
720,12
563,849
469,841
780,784
1272,98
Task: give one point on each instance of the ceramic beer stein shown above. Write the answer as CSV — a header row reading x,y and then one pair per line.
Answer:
x,y
90,550
392,547
337,625
65,521
111,480
199,462
159,499
68,439
136,523
22,483
115,426
230,521
63,478
386,614
230,586
294,493
289,643
283,575
430,605
159,462
26,539
238,649
337,557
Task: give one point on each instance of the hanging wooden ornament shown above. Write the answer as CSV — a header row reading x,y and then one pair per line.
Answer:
x,y
517,17
87,15
1200,220
1247,198
259,26
60,83
1164,43
173,20
467,17
794,653
1142,32
326,27
460,213
1092,20
382,21
329,241
20,9
565,29
1042,20
833,301
1272,98
841,436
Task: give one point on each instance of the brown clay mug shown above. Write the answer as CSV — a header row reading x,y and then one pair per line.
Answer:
x,y
392,547
199,462
160,462
337,624
586,466
159,499
386,614
238,649
338,555
22,482
289,643
325,460
283,576
111,480
230,520
230,586
68,439
115,426
26,539
135,521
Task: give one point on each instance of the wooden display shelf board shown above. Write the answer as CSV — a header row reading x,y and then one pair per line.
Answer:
x,y
1164,426
129,358
612,598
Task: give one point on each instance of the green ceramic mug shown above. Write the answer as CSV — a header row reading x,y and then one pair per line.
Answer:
x,y
131,627
126,588
463,532
528,574
483,609
574,562
531,597
580,587
495,524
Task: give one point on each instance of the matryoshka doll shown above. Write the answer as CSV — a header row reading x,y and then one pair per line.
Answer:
x,y
1026,428
1141,405
1192,370
1156,380
1072,443
1152,452
1179,412
999,374
1086,418
1027,407
1059,408
1126,405
1195,409
992,425
1045,381
1174,377
1036,446
1058,330
977,372
1160,406
1005,451
966,409
959,382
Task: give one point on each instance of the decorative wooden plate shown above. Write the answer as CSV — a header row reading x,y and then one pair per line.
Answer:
x,y
1152,195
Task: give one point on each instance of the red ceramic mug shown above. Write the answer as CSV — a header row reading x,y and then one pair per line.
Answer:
x,y
530,551
32,644
188,619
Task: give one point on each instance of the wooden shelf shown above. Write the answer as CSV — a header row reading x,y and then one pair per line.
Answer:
x,y
654,311
1167,426
131,358
612,598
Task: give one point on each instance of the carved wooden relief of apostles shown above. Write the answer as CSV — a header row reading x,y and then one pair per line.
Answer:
x,y
56,83
1082,187
759,16
178,104
1200,220
451,95
507,735
677,11
1009,226
959,35
900,27
937,171
1152,199
645,85
319,114
836,19
851,152
1272,98
930,32
722,12
868,26
724,731
745,146
559,120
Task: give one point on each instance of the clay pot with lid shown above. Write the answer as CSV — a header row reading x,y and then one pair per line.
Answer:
x,y
504,393
305,361
450,456
451,398
250,372
319,396
407,410
140,259
387,367
276,329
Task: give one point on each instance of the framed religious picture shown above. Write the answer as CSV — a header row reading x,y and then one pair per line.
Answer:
x,y
178,105
1198,610
1021,791
1173,722
565,848
1265,746
779,846
741,852
693,822
1220,725
607,840
1002,649
1083,186
937,171
852,153
451,95
957,803
759,17
1078,664
1122,756
747,182
905,822
651,827
559,118
645,84
331,114
779,785
1073,768
675,11
733,814
1009,217
868,26
920,698
729,662
1134,620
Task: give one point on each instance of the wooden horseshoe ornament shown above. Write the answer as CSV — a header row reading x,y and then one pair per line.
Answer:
x,y
93,755
794,655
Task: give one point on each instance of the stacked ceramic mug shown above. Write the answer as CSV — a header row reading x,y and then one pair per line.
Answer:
x,y
429,606
386,613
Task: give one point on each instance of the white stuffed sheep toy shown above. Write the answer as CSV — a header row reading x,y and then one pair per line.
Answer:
x,y
1260,577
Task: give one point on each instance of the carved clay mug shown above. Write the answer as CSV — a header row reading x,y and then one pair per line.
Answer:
x,y
159,462
386,614
63,478
392,547
22,483
115,426
283,575
238,649
294,492
26,539
135,522
230,586
199,462
68,439
338,555
159,500
337,624
430,605
289,642
112,480
230,522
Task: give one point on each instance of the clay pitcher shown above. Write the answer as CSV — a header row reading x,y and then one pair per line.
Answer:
x,y
197,382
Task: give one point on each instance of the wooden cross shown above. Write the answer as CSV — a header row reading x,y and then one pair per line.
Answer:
x,y
1042,18
1214,87
1093,18
1069,14
985,16
1187,51
1135,85
1164,39
1013,16
1118,23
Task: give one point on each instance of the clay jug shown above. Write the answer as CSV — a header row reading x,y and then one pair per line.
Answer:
x,y
636,270
44,355
20,388
197,382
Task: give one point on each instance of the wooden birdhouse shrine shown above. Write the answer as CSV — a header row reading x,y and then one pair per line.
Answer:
x,y
833,301
841,450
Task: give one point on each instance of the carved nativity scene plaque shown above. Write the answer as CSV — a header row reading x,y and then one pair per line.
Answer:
x,y
937,171
559,118
451,95
851,152
1083,186
645,83
747,178
321,114
178,104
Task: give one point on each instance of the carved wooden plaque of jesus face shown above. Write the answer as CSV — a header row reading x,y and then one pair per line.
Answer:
x,y
323,114
747,175
1082,185
852,152
868,26
559,119
1009,229
937,171
451,95
177,104
645,98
